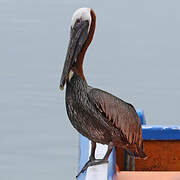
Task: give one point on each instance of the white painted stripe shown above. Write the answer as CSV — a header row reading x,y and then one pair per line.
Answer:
x,y
98,172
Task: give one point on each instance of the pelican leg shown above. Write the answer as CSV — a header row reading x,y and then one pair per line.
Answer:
x,y
133,163
93,148
110,148
126,161
92,161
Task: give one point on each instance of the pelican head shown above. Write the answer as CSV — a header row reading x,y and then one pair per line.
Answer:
x,y
81,14
81,34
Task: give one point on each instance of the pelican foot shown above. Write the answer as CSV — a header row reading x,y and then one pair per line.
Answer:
x,y
92,163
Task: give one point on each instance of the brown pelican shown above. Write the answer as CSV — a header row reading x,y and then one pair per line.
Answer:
x,y
96,114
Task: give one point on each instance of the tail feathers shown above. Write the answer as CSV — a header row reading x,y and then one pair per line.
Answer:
x,y
136,152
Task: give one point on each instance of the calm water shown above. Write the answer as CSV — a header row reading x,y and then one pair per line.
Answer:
x,y
135,55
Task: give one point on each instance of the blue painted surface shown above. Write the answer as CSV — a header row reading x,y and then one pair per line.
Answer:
x,y
161,132
141,116
83,155
112,165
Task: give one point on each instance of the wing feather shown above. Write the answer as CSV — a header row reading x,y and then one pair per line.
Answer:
x,y
122,115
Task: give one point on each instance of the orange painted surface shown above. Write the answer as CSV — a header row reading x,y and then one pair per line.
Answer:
x,y
127,175
162,156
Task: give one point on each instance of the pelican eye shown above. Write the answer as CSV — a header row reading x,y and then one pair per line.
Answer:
x,y
78,21
77,24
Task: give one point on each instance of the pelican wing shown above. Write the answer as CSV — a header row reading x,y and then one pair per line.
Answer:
x,y
118,113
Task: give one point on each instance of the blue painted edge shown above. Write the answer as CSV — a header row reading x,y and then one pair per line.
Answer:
x,y
141,116
158,132
112,165
161,132
83,155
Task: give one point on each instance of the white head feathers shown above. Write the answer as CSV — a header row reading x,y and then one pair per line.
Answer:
x,y
83,13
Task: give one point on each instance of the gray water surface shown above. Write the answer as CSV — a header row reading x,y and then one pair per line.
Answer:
x,y
135,55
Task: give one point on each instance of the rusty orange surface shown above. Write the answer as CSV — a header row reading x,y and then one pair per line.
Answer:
x,y
162,156
137,175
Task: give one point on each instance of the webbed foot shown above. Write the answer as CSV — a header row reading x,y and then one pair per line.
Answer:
x,y
92,163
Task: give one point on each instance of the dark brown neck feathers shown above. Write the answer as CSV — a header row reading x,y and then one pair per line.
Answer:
x,y
78,68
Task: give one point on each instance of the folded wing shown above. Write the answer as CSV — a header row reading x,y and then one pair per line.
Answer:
x,y
120,114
